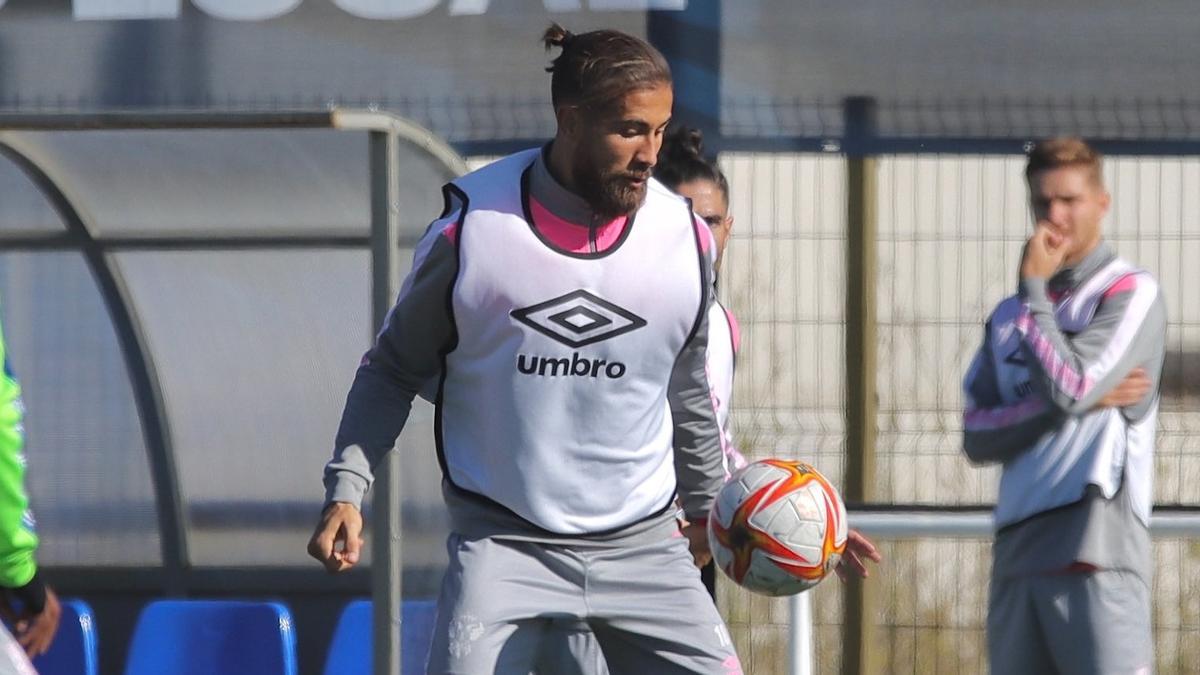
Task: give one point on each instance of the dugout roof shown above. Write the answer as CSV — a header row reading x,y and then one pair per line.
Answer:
x,y
185,298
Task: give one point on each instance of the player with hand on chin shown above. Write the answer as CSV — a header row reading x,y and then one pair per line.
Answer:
x,y
1063,393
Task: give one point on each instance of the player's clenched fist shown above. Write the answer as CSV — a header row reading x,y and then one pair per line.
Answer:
x,y
337,540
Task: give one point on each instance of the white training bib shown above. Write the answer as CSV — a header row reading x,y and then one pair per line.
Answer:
x,y
1097,448
554,403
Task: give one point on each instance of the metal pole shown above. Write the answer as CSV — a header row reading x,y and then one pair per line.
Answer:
x,y
891,525
690,39
861,215
800,640
386,560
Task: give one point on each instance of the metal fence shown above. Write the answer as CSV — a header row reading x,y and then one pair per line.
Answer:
x,y
948,228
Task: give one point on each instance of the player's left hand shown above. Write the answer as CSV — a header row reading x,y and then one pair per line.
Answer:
x,y
697,536
1044,253
858,550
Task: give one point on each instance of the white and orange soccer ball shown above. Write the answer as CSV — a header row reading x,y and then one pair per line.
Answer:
x,y
778,527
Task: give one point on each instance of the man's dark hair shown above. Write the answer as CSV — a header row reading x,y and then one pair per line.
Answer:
x,y
597,69
682,160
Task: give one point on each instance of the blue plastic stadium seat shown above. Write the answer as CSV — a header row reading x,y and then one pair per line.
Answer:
x,y
74,649
350,650
205,637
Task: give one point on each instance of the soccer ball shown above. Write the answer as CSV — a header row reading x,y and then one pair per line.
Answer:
x,y
777,527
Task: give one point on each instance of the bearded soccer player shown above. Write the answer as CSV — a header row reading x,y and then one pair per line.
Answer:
x,y
561,301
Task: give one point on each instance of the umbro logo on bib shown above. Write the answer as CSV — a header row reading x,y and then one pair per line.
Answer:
x,y
578,319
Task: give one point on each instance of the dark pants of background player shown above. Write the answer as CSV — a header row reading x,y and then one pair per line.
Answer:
x,y
708,574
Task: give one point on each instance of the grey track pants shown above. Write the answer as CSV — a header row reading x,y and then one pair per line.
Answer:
x,y
1070,624
503,602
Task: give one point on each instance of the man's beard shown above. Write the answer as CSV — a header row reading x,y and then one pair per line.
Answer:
x,y
610,194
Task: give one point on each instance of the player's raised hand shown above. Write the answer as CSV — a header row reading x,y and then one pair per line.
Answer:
x,y
1044,252
337,541
1129,391
859,549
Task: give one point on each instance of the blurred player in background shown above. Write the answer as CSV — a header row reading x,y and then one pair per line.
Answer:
x,y
562,301
26,602
684,168
1064,393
